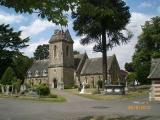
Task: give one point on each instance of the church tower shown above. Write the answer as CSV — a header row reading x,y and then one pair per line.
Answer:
x,y
61,61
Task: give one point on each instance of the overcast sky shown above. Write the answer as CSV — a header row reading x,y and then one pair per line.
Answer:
x,y
40,30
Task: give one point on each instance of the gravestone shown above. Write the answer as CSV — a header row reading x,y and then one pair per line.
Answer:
x,y
114,90
83,88
7,89
2,88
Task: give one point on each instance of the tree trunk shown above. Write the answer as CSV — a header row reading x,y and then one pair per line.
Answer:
x,y
104,56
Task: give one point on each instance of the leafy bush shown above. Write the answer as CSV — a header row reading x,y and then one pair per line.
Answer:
x,y
17,84
43,90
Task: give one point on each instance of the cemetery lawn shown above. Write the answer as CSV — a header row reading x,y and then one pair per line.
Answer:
x,y
40,99
131,94
117,117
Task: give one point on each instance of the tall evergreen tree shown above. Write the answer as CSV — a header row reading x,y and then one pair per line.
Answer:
x,y
102,22
10,44
8,77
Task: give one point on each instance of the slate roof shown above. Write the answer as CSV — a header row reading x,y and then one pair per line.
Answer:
x,y
155,69
61,36
94,66
40,66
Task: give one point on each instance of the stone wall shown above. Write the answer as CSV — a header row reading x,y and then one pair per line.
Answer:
x,y
36,81
155,91
91,80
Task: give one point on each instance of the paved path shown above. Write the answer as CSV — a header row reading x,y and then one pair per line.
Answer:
x,y
71,98
76,108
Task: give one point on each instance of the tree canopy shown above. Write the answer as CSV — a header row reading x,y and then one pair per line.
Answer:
x,y
10,40
129,67
102,22
53,10
42,52
148,47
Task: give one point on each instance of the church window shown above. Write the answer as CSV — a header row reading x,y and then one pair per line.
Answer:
x,y
44,73
55,51
29,73
67,51
36,73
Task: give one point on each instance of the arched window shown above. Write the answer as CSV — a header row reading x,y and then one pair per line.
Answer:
x,y
55,51
44,72
36,73
67,51
29,74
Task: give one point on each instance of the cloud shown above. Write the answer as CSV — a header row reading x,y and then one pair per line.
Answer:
x,y
6,18
32,47
35,28
145,5
124,53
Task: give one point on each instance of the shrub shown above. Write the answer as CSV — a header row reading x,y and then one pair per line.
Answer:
x,y
100,83
17,84
43,90
8,77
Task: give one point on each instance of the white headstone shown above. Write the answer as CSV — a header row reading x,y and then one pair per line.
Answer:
x,y
7,89
2,88
83,90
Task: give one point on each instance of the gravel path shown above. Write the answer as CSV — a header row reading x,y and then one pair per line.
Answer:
x,y
75,108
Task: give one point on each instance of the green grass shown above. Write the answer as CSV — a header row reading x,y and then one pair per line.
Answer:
x,y
118,118
41,99
130,95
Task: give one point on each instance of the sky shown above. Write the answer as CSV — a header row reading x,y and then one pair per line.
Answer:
x,y
40,30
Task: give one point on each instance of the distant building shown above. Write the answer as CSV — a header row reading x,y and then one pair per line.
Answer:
x,y
155,77
64,69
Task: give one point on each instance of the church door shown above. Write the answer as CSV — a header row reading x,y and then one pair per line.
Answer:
x,y
55,83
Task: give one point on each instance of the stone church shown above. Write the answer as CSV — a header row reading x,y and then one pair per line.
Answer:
x,y
64,69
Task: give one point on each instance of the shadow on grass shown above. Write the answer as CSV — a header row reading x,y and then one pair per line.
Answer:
x,y
101,107
117,118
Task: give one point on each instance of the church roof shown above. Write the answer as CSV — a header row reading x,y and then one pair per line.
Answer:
x,y
77,59
155,69
61,36
94,65
39,66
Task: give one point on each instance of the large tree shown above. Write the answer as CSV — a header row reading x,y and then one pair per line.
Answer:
x,y
102,22
10,43
42,52
53,10
148,47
